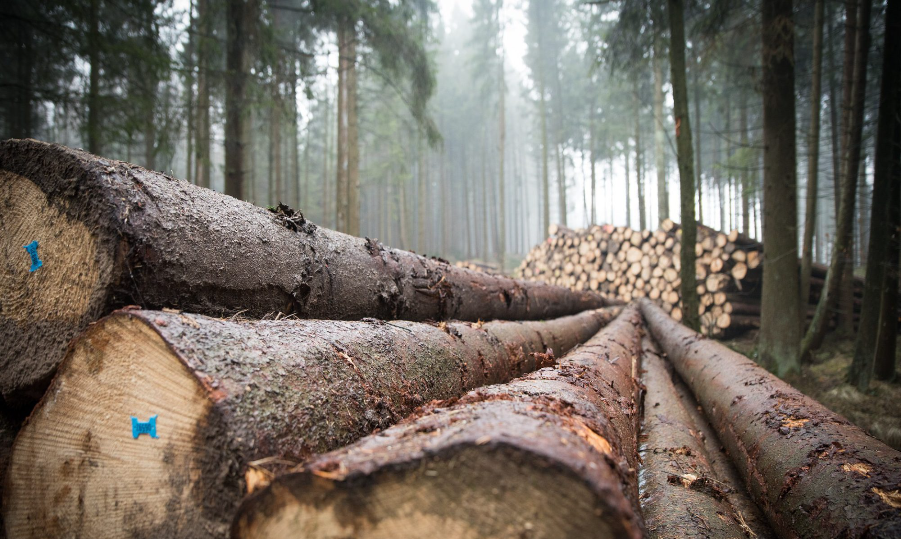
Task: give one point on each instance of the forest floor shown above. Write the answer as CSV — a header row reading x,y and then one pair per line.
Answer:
x,y
878,411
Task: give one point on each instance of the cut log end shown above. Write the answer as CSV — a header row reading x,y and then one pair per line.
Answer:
x,y
80,443
524,498
44,296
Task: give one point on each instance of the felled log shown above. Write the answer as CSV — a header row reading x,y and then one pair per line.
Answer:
x,y
681,495
107,234
812,472
215,397
734,486
549,455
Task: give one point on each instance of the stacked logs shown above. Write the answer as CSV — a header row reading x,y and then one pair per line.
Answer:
x,y
630,264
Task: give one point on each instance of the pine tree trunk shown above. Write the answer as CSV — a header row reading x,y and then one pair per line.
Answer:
x,y
501,218
660,162
793,453
545,182
642,207
688,287
341,169
780,310
239,15
813,156
190,113
202,146
843,234
353,146
274,390
699,170
93,127
874,348
553,454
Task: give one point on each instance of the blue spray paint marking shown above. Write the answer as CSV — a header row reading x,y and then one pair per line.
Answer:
x,y
143,427
32,249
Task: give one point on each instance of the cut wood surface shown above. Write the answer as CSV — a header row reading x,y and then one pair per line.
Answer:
x,y
553,454
112,234
682,496
227,394
813,473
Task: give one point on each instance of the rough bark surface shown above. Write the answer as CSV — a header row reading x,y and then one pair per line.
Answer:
x,y
681,495
555,455
812,472
780,323
113,234
228,394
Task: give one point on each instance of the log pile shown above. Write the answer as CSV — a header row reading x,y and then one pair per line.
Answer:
x,y
627,264
381,418
553,454
476,265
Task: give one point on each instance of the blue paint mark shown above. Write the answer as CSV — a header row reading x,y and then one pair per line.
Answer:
x,y
32,249
143,427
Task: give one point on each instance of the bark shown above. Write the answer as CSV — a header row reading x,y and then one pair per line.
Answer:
x,y
679,486
698,168
780,318
642,209
843,248
884,361
105,230
93,127
228,394
502,144
341,169
660,163
560,444
239,17
202,145
735,489
813,154
353,146
688,286
545,182
812,472
874,348
745,175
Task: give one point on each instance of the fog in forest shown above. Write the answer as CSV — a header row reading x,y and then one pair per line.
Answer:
x,y
476,124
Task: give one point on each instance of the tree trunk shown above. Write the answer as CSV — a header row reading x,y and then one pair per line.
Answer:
x,y
93,127
110,243
561,442
780,317
660,163
353,145
239,17
202,145
545,183
628,186
699,170
813,155
844,228
274,390
642,208
803,464
680,485
341,170
886,338
190,113
502,146
688,286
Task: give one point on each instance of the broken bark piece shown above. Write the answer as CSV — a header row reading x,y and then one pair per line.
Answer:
x,y
112,234
150,426
552,454
811,471
681,494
